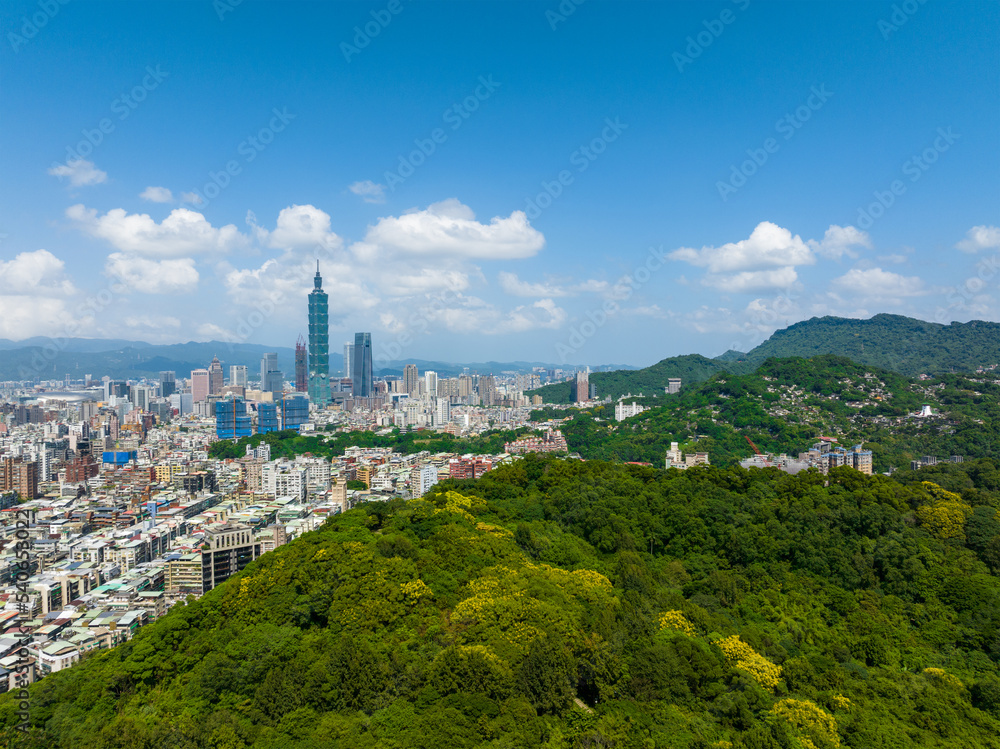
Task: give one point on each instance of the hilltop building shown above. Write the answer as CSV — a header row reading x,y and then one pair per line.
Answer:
x,y
676,459
627,410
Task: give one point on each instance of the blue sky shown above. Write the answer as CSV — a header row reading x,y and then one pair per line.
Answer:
x,y
720,170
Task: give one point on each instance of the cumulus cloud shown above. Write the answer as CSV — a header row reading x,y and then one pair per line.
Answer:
x,y
182,233
450,229
79,172
192,198
369,191
514,286
875,284
302,227
752,281
839,241
473,315
33,296
157,195
147,276
980,238
768,246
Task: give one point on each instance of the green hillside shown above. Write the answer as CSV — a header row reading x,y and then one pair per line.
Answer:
x,y
787,404
900,344
569,604
649,381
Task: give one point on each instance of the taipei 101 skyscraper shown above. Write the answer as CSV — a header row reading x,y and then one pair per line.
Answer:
x,y
319,343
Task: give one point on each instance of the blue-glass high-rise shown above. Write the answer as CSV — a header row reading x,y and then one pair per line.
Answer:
x,y
319,343
361,365
294,411
267,418
231,419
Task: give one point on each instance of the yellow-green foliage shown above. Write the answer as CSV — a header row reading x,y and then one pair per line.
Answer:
x,y
943,678
840,702
745,658
815,726
945,515
676,620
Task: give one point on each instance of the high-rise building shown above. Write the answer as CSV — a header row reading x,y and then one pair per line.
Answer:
x,y
301,366
238,375
199,385
361,365
141,396
319,343
271,379
431,383
168,384
488,390
267,418
580,387
348,348
215,377
294,411
410,376
231,419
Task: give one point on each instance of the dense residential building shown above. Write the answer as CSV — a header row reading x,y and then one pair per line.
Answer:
x,y
228,548
673,385
625,410
267,418
550,442
422,478
580,387
319,343
294,411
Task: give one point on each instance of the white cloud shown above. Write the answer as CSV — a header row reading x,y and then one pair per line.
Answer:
x,y
980,238
875,284
80,172
302,227
450,229
33,297
839,241
369,191
514,286
157,195
191,198
895,258
752,281
473,315
182,233
38,273
769,245
174,276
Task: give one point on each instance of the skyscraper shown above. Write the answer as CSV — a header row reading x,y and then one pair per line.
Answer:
x,y
301,366
199,385
410,376
319,343
238,375
215,377
271,377
168,384
231,419
348,347
580,387
431,382
361,365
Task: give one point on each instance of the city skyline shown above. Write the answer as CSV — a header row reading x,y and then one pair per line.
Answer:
x,y
681,187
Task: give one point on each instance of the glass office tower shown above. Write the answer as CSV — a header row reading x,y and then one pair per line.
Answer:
x,y
319,343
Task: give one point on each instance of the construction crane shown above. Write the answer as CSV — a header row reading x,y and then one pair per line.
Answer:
x,y
759,453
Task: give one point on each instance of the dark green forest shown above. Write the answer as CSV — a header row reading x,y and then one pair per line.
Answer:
x,y
558,603
787,404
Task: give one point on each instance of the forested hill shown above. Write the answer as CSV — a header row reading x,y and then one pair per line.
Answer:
x,y
900,344
787,404
649,381
568,604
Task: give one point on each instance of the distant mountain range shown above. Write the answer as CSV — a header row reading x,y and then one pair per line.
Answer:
x,y
48,358
899,344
